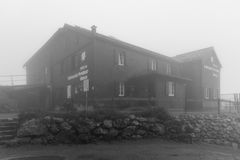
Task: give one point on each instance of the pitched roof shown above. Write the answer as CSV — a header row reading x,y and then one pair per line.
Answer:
x,y
194,55
119,42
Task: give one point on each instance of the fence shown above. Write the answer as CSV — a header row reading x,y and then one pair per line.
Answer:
x,y
230,103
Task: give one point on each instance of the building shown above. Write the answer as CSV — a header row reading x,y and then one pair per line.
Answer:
x,y
203,68
102,71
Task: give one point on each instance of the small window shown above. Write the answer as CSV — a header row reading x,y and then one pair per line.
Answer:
x,y
170,89
153,65
121,58
207,93
168,69
121,89
69,91
83,56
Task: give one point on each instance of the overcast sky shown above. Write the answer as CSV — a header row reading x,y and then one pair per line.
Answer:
x,y
169,27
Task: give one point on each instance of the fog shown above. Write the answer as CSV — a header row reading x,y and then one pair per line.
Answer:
x,y
168,27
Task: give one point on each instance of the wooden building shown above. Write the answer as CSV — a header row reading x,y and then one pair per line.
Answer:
x,y
102,71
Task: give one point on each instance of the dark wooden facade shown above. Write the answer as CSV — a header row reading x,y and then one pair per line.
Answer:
x,y
119,74
203,67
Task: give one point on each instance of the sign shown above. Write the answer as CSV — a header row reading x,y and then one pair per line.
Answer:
x,y
86,85
79,74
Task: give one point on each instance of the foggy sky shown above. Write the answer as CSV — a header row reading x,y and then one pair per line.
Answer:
x,y
169,27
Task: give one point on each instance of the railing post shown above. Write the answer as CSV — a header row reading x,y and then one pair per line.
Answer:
x,y
219,103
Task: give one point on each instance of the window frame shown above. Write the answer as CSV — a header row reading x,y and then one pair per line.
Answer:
x,y
153,64
121,59
121,92
171,90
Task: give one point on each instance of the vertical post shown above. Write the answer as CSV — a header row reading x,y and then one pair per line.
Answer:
x,y
219,103
86,104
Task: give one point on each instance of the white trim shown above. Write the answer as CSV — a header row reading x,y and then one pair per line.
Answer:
x,y
121,89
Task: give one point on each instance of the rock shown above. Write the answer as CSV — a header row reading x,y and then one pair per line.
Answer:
x,y
58,120
100,131
132,116
83,129
65,126
119,124
158,129
107,123
141,119
32,128
141,132
135,123
53,129
113,132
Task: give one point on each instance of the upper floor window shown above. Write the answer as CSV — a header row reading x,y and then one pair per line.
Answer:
x,y
121,59
207,93
170,88
121,89
168,69
153,65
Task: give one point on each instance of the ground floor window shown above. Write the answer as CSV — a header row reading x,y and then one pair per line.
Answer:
x,y
170,88
121,89
69,91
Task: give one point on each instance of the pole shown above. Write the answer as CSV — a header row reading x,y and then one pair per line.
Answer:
x,y
86,104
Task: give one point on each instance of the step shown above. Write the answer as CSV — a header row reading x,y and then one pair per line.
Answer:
x,y
2,128
8,132
8,124
6,137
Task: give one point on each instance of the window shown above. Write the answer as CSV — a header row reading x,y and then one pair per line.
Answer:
x,y
207,93
169,70
153,65
121,58
170,89
83,56
121,89
69,91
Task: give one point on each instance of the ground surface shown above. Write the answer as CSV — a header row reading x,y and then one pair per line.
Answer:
x,y
151,149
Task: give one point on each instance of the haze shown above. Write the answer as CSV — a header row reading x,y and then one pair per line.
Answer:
x,y
169,27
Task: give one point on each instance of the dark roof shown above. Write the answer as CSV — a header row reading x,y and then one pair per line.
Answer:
x,y
101,36
119,42
197,54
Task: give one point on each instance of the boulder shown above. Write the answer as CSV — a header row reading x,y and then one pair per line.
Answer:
x,y
32,128
107,123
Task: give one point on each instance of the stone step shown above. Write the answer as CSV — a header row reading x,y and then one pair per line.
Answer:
x,y
3,128
8,132
6,137
8,124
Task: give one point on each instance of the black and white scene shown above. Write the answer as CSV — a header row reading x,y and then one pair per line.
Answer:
x,y
119,80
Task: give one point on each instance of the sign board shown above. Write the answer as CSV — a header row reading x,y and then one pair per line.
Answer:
x,y
86,85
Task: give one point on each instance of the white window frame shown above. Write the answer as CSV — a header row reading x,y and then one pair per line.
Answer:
x,y
171,88
121,89
69,91
169,69
83,56
153,63
207,93
121,59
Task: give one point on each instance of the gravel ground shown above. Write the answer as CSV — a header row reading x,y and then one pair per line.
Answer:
x,y
148,149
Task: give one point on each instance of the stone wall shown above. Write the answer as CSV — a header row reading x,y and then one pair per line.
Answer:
x,y
216,129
